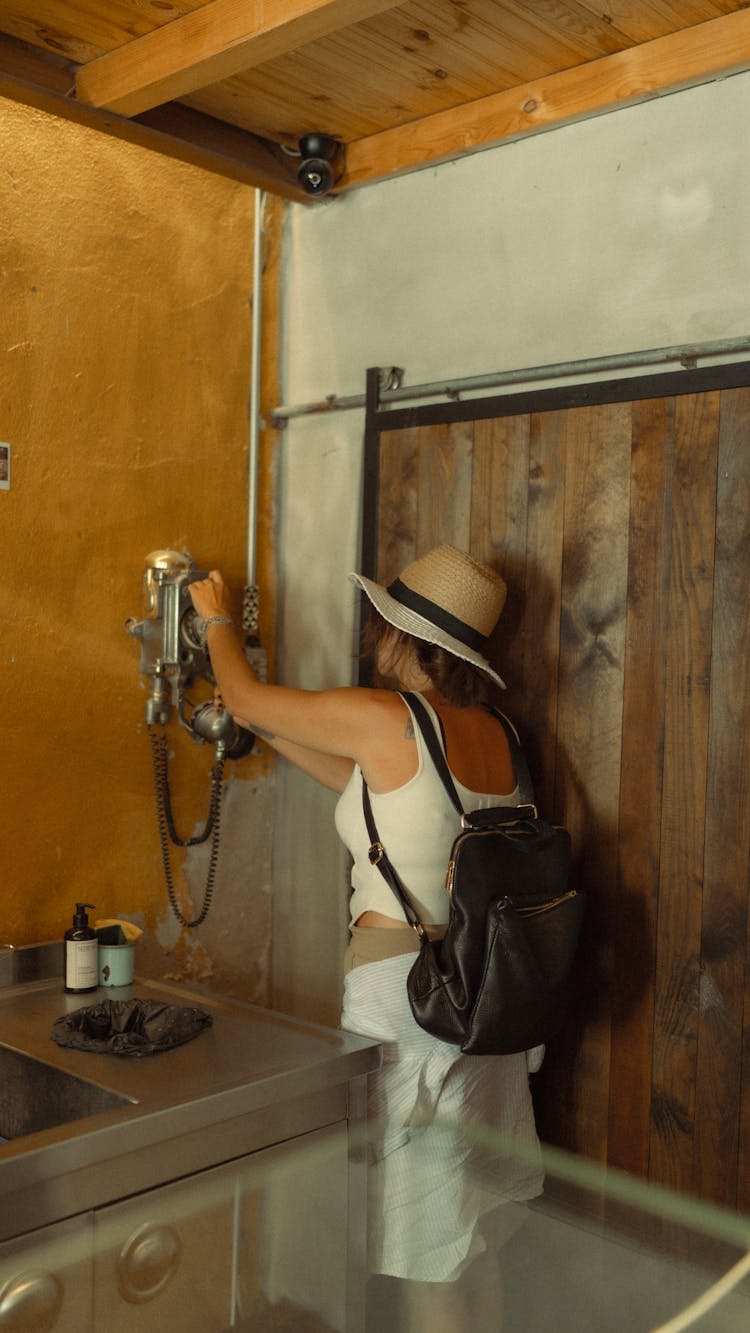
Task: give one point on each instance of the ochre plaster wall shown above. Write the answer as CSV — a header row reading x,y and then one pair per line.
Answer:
x,y
125,349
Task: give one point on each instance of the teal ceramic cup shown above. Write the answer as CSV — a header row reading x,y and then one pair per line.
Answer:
x,y
116,957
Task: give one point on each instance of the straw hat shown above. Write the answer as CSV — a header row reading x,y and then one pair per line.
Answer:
x,y
445,597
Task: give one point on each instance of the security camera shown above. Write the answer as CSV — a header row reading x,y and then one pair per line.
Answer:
x,y
322,163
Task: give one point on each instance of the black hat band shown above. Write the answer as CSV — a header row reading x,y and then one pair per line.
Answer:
x,y
414,601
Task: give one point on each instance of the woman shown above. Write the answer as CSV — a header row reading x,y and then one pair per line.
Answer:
x,y
433,1187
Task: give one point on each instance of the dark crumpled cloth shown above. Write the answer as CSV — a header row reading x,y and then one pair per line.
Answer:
x,y
129,1027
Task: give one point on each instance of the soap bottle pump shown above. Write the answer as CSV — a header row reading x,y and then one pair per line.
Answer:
x,y
81,953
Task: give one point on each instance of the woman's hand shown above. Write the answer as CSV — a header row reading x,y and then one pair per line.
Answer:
x,y
210,596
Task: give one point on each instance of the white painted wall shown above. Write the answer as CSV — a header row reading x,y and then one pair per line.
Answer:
x,y
626,232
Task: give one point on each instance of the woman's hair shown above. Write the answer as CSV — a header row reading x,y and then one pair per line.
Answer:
x,y
456,681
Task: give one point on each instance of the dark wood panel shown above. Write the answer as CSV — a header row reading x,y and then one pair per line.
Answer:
x,y
594,588
556,1088
542,596
444,513
725,905
688,653
499,508
399,483
638,854
728,836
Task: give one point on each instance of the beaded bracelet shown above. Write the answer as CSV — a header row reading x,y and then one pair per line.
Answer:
x,y
212,620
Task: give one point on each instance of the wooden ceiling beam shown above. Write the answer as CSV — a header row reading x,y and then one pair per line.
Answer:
x,y
695,55
222,38
36,78
35,67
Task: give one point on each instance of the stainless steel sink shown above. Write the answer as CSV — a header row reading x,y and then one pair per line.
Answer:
x,y
36,1096
87,1131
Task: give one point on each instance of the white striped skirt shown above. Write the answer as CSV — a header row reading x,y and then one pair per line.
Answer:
x,y
451,1136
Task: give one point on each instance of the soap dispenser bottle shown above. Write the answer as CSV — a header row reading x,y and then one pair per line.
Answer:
x,y
81,953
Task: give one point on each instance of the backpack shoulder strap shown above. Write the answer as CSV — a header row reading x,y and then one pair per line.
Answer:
x,y
379,857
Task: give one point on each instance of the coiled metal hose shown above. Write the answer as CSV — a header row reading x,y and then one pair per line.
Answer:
x,y
168,833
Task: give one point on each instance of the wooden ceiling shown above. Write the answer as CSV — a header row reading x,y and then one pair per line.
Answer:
x,y
232,85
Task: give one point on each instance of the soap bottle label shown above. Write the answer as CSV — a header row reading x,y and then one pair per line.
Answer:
x,y
81,964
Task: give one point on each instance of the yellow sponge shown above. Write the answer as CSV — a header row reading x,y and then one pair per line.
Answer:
x,y
130,931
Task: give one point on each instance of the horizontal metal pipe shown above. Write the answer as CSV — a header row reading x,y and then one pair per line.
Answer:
x,y
687,355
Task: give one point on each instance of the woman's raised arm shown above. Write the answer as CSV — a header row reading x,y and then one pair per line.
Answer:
x,y
340,726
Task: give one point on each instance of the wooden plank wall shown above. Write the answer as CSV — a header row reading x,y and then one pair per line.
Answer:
x,y
622,531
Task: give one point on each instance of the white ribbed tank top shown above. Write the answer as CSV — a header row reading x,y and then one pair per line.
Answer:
x,y
417,825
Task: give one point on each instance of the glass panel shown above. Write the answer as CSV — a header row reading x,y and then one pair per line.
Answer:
x,y
275,1241
594,1250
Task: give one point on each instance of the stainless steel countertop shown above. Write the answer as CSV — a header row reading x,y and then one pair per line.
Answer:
x,y
224,1093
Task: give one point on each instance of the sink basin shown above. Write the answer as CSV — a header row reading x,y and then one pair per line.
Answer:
x,y
36,1096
